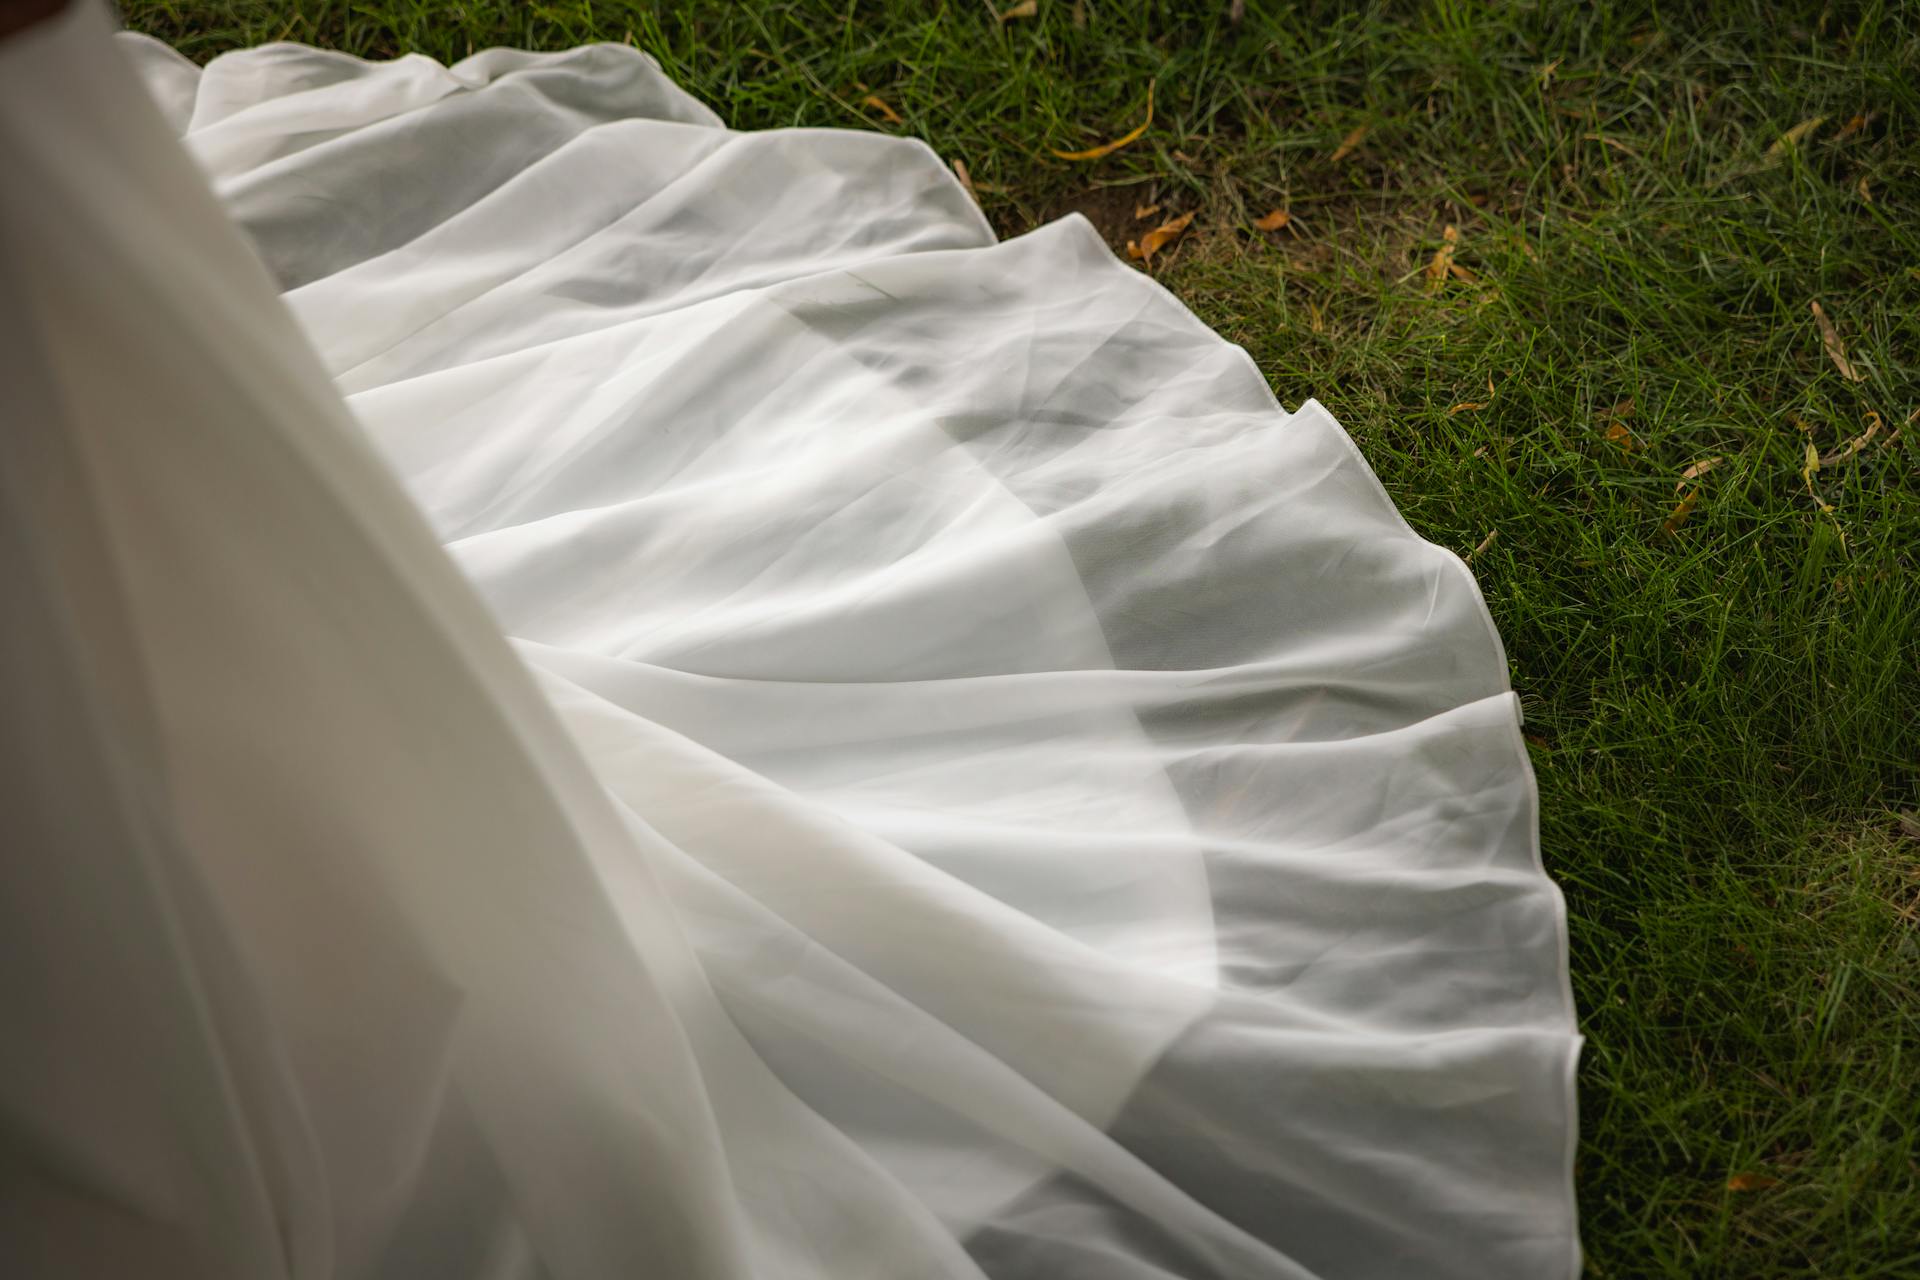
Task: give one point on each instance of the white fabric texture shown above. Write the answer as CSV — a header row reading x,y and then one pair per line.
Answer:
x,y
909,763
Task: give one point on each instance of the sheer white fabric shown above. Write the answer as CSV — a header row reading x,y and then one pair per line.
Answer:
x,y
972,788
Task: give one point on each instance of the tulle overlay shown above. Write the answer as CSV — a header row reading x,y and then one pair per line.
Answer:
x,y
969,786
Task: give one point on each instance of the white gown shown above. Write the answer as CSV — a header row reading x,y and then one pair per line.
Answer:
x,y
908,764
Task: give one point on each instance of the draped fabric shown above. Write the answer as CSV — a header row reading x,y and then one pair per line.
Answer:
x,y
587,694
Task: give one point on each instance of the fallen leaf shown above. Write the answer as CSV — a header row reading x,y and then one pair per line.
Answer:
x,y
1349,144
1697,470
966,179
1850,128
1751,1182
1141,211
1856,444
1442,258
1680,512
1792,138
1618,409
1836,352
1484,543
1461,274
1466,405
879,104
1025,9
1273,221
1862,189
1107,149
1154,240
1617,433
1808,472
1316,319
1611,142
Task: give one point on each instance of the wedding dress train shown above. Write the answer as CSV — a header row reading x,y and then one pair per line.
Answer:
x,y
671,708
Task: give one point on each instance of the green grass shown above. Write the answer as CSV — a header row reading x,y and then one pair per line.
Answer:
x,y
1723,717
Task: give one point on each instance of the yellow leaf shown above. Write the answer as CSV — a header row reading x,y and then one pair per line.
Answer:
x,y
1461,274
1836,352
1618,434
1792,138
1808,472
1697,470
1850,128
1273,221
1025,9
1466,405
1143,211
1618,409
879,104
1680,512
1107,149
1856,444
1442,258
1154,240
1751,1182
1484,543
1349,144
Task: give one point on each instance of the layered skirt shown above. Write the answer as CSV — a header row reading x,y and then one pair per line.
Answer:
x,y
592,695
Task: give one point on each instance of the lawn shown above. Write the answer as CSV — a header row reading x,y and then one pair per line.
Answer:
x,y
1555,267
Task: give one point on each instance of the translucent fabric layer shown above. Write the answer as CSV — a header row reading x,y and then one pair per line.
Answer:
x,y
669,707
